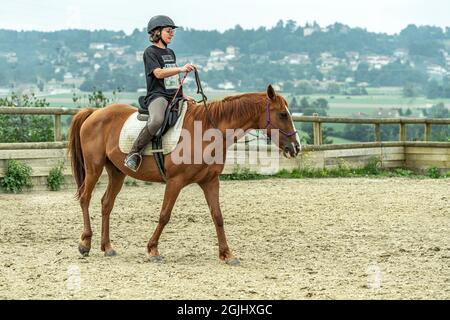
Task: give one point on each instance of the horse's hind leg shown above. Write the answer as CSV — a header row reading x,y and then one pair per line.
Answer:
x,y
115,183
93,171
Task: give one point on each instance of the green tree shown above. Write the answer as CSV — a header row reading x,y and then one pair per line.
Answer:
x,y
97,99
293,106
440,132
410,90
25,128
319,106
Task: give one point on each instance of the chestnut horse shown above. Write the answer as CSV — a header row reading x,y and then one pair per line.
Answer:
x,y
94,144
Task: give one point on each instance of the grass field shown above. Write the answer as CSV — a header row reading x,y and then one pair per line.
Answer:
x,y
340,105
378,98
66,99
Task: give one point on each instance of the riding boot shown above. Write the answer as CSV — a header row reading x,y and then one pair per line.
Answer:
x,y
134,158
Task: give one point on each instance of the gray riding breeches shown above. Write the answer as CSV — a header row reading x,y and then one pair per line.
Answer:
x,y
156,111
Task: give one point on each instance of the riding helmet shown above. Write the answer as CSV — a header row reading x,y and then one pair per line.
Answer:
x,y
160,21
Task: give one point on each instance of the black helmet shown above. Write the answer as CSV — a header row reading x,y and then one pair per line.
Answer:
x,y
160,21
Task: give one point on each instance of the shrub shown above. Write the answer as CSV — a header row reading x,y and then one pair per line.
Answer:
x,y
433,172
242,174
373,167
131,182
17,177
399,172
56,177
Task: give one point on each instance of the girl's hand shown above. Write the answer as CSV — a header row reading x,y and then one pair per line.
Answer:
x,y
187,67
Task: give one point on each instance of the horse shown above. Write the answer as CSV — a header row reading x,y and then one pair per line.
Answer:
x,y
93,145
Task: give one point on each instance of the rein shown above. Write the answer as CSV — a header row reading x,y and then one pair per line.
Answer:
x,y
204,98
179,87
199,91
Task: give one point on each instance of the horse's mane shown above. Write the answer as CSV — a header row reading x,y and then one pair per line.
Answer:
x,y
238,107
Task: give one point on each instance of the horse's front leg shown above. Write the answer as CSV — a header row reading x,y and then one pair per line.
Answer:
x,y
211,190
171,193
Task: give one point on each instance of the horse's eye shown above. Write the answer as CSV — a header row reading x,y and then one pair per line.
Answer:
x,y
283,115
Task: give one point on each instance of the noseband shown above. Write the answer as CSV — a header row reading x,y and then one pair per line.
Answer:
x,y
268,123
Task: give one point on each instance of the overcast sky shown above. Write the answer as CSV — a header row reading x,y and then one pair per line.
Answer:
x,y
388,16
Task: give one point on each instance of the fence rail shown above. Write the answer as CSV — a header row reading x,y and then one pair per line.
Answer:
x,y
316,120
56,112
377,122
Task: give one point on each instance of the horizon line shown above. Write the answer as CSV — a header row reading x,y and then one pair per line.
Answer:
x,y
443,28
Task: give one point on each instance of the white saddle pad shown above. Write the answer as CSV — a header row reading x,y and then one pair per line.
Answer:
x,y
132,127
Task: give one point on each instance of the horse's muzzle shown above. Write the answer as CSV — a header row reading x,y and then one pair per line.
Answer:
x,y
291,149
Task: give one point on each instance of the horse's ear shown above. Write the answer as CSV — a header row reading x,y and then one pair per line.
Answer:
x,y
271,92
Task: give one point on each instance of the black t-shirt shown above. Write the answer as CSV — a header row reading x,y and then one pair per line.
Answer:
x,y
155,57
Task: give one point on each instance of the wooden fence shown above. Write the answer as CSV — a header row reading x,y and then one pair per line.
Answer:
x,y
376,122
56,112
315,120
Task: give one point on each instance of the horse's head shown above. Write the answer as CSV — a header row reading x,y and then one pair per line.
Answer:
x,y
277,116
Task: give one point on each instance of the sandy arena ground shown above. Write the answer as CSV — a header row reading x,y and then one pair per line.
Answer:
x,y
297,239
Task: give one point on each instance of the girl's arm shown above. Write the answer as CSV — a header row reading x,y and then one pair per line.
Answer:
x,y
168,72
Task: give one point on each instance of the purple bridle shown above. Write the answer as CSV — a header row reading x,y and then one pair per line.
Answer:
x,y
268,123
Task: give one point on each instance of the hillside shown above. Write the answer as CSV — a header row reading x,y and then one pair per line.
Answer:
x,y
298,59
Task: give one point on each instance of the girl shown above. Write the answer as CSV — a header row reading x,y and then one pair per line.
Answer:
x,y
163,80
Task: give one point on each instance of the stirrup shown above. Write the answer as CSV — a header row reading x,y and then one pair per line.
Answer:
x,y
130,156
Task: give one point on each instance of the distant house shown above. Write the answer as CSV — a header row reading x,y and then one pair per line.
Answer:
x,y
116,49
139,55
218,59
231,52
377,61
97,46
68,76
308,31
80,56
297,58
387,113
400,53
352,55
359,115
329,64
10,57
435,70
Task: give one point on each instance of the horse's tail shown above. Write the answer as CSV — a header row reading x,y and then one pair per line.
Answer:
x,y
75,150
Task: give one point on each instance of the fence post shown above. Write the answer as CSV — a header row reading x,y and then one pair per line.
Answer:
x,y
57,127
377,132
317,131
402,131
427,131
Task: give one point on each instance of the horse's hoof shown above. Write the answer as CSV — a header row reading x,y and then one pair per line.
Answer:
x,y
156,259
83,250
110,253
233,262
